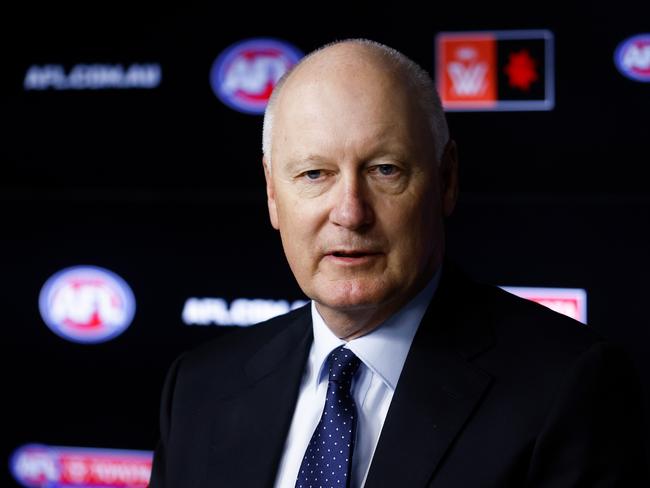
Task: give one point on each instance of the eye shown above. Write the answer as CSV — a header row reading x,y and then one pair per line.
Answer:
x,y
313,174
386,169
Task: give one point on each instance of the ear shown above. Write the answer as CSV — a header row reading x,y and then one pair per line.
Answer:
x,y
448,172
270,194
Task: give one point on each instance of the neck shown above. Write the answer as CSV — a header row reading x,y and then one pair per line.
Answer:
x,y
350,324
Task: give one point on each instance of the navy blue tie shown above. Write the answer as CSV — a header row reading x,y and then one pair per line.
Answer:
x,y
328,457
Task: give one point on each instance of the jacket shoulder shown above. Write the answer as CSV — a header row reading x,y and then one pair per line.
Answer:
x,y
519,321
230,348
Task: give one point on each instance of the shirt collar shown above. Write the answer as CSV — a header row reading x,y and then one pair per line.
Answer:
x,y
382,350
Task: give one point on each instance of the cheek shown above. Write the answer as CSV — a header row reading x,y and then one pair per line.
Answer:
x,y
296,227
414,232
295,253
299,239
300,217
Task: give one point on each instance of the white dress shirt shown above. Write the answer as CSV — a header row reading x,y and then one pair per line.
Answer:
x,y
382,353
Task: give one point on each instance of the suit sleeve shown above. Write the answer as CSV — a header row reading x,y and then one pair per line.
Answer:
x,y
160,458
593,434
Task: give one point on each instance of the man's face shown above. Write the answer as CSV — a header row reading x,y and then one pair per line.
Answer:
x,y
354,190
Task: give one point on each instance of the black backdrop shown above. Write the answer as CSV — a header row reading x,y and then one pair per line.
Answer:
x,y
165,188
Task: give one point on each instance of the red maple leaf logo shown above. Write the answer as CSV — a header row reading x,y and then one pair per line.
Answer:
x,y
521,70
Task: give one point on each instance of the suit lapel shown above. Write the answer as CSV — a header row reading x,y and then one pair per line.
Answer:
x,y
437,392
248,435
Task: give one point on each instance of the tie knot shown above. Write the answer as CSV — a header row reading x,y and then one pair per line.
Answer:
x,y
343,365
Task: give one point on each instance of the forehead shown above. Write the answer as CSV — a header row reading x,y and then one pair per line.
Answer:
x,y
348,103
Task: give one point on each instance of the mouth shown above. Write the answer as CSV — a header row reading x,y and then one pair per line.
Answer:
x,y
351,256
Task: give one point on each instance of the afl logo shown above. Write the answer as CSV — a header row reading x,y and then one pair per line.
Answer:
x,y
632,57
244,75
86,304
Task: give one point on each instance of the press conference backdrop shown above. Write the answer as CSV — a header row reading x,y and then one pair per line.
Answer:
x,y
133,212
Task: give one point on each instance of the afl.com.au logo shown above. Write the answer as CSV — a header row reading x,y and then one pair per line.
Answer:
x,y
87,304
244,75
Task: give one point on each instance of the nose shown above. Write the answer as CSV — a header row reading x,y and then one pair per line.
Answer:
x,y
351,208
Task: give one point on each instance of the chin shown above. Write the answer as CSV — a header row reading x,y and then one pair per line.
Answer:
x,y
352,294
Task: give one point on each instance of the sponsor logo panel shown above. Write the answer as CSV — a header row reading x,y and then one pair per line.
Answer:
x,y
95,76
244,75
571,302
87,304
240,312
42,466
495,70
632,57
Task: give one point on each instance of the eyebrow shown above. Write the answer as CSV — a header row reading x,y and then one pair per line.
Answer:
x,y
295,162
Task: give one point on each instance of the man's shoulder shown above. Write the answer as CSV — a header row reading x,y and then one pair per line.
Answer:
x,y
516,317
534,349
232,348
510,317
532,335
516,328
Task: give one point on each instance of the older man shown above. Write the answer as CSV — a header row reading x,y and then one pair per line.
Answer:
x,y
402,372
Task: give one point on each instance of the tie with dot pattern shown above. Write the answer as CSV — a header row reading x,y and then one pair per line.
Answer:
x,y
328,457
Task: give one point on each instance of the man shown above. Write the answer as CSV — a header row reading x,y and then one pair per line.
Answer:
x,y
402,372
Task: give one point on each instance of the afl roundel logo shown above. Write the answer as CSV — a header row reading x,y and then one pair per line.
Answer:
x,y
244,75
87,304
632,57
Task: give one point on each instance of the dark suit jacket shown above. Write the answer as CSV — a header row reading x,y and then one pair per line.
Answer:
x,y
496,392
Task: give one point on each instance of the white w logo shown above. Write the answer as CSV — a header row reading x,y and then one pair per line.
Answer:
x,y
468,80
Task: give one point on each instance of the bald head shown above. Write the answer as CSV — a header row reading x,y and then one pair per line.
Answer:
x,y
364,66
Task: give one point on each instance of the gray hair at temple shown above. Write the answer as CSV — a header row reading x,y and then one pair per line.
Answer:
x,y
418,79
